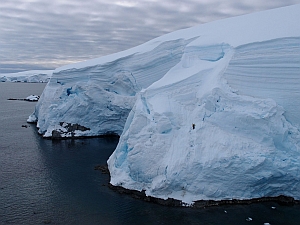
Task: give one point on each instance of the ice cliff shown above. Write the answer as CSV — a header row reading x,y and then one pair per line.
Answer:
x,y
209,112
31,76
97,95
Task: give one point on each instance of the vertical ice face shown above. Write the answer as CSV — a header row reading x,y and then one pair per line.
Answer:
x,y
269,70
203,138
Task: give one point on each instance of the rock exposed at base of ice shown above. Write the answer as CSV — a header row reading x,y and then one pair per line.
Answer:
x,y
31,76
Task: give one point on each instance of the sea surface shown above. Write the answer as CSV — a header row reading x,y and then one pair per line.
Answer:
x,y
54,182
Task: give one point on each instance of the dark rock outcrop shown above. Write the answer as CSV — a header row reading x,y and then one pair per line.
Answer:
x,y
69,131
102,168
281,200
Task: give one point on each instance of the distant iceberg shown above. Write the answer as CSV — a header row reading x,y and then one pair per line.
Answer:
x,y
209,112
30,76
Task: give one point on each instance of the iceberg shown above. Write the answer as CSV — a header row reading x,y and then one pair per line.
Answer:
x,y
204,113
31,76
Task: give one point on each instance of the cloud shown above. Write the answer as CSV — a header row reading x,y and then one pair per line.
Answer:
x,y
48,34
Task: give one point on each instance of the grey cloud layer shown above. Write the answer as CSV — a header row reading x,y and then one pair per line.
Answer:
x,y
46,34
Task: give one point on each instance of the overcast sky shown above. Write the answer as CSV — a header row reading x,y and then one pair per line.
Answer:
x,y
45,34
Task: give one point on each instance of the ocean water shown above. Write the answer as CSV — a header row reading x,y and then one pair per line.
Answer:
x,y
54,182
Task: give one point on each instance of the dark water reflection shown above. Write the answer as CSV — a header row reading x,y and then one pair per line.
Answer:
x,y
44,181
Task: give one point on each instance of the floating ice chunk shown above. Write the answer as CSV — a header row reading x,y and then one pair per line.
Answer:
x,y
33,98
249,219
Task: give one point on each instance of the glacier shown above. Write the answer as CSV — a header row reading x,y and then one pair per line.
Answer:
x,y
204,113
30,76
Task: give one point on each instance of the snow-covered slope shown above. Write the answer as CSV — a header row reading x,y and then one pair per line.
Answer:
x,y
212,109
31,76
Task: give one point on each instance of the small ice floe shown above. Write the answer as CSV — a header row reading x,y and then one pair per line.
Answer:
x,y
267,224
32,98
225,211
249,219
273,207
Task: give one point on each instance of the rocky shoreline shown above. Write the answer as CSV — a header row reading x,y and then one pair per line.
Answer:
x,y
281,199
58,136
